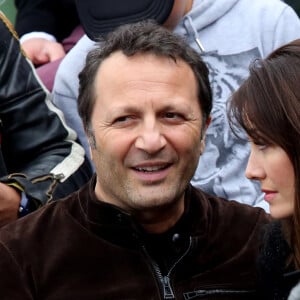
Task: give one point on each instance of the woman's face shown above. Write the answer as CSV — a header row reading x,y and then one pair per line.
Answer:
x,y
271,165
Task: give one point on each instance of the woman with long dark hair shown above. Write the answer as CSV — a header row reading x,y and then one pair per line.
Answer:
x,y
267,107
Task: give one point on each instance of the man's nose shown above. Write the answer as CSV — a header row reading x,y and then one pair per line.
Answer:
x,y
150,138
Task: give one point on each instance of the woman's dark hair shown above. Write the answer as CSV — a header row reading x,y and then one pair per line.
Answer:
x,y
142,37
267,107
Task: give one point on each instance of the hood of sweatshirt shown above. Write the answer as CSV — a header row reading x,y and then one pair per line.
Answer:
x,y
203,14
206,28
230,35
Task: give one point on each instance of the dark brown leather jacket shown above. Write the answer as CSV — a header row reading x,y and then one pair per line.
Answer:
x,y
100,252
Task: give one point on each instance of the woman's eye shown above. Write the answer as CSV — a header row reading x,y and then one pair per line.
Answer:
x,y
262,147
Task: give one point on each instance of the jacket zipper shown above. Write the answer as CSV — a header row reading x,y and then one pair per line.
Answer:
x,y
165,281
167,289
202,293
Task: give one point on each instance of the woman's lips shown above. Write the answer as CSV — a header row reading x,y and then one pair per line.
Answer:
x,y
269,195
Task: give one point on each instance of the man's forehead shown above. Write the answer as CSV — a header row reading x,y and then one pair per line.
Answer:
x,y
119,60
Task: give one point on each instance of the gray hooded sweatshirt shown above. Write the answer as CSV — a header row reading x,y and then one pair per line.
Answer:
x,y
232,33
229,35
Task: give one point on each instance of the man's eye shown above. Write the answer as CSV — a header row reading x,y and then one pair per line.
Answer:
x,y
172,115
122,119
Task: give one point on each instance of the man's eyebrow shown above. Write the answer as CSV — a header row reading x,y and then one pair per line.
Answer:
x,y
125,109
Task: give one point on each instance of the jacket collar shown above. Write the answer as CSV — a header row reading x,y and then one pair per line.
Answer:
x,y
101,217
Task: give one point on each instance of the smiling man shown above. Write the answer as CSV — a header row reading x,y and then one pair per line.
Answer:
x,y
138,229
146,125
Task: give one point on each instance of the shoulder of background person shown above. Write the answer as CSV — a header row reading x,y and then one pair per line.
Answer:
x,y
295,4
55,17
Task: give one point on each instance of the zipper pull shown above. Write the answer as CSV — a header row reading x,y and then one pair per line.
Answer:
x,y
168,292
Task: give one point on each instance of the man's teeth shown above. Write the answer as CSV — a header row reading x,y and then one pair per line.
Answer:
x,y
150,169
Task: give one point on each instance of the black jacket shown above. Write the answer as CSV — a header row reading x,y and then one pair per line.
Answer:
x,y
276,277
40,153
56,17
101,252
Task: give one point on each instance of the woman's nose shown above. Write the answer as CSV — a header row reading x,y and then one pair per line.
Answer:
x,y
254,169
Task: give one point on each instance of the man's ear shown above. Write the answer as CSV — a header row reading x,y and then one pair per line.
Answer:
x,y
89,132
91,152
92,142
202,142
202,145
208,120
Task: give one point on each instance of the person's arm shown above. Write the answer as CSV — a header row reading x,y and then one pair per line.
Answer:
x,y
66,84
42,24
279,27
41,154
55,17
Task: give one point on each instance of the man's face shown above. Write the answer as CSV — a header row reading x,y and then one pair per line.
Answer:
x,y
147,124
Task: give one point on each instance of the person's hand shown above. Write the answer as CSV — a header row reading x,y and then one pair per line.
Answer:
x,y
9,204
41,51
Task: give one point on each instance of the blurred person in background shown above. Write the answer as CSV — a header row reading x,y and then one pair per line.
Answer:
x,y
41,159
48,29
